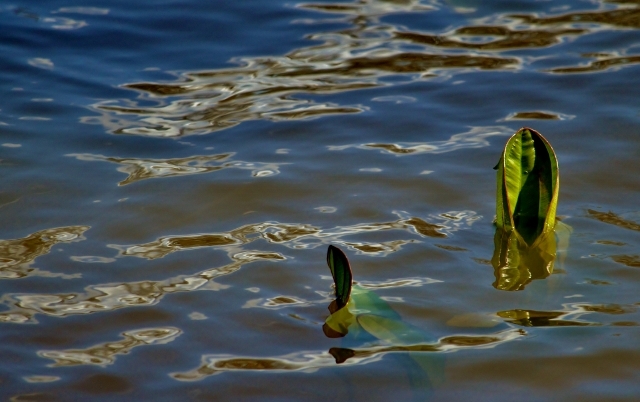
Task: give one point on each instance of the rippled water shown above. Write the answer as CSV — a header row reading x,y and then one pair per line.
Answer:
x,y
172,174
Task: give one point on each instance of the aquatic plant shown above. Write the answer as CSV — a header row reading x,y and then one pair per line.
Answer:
x,y
528,184
526,201
363,314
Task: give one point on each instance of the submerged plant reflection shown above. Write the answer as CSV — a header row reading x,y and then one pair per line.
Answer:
x,y
364,314
526,201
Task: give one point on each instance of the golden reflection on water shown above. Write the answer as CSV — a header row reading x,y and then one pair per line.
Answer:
x,y
569,316
538,115
274,88
280,302
17,255
396,283
601,64
105,354
628,260
358,57
508,39
302,236
476,137
108,297
613,219
625,17
310,361
140,169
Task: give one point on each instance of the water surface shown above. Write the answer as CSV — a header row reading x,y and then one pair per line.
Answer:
x,y
174,172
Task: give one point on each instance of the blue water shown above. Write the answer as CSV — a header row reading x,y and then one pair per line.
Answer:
x,y
173,172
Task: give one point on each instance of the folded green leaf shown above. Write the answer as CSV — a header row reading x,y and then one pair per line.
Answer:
x,y
341,273
528,183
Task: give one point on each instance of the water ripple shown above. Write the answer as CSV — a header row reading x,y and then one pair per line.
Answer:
x,y
569,316
311,361
302,236
108,297
477,137
17,255
279,87
141,169
105,354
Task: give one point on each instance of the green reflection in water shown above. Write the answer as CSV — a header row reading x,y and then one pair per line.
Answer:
x,y
358,311
516,263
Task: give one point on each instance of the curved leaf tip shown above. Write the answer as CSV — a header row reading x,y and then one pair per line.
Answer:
x,y
341,273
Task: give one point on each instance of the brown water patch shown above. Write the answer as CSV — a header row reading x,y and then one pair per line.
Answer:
x,y
425,228
283,300
609,309
628,260
34,397
597,282
421,62
598,65
611,243
393,148
509,39
450,248
109,297
16,255
275,87
622,18
105,354
482,261
477,137
299,235
369,8
624,324
331,8
533,318
141,169
396,283
375,248
535,116
312,360
613,219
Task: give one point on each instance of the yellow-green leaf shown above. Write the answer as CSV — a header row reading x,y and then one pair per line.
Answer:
x,y
527,186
